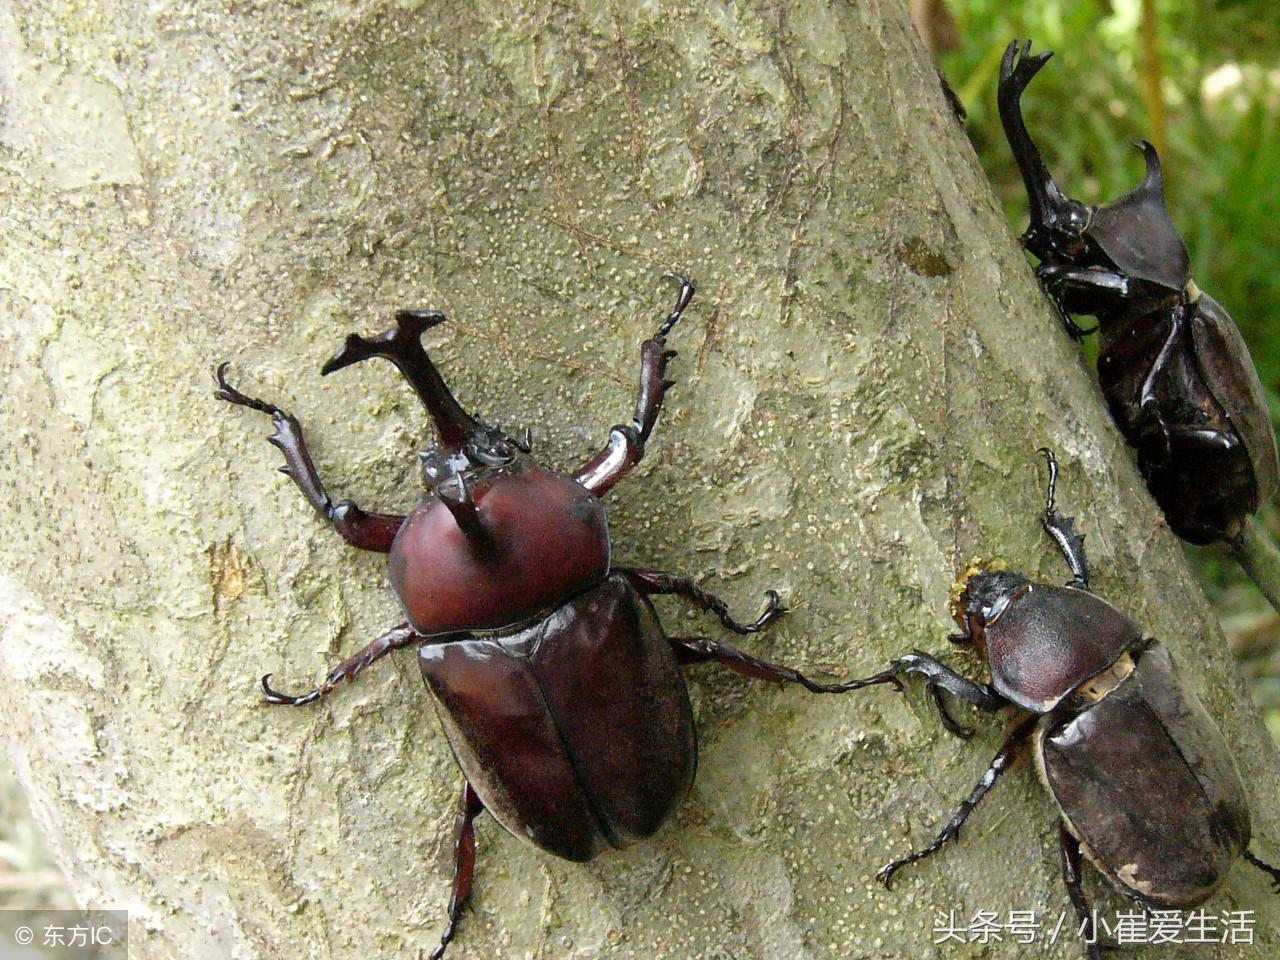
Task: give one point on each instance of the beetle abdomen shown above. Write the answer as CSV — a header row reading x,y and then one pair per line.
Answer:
x,y
544,539
1049,640
1146,781
577,733
1214,459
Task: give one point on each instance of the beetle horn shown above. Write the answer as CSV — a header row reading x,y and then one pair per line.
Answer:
x,y
457,497
403,347
1154,180
1017,69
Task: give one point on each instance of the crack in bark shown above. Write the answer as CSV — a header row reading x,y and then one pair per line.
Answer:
x,y
821,176
629,89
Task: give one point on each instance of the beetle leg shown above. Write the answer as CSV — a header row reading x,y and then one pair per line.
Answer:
x,y
699,650
1072,865
393,639
625,447
953,726
1079,290
656,583
939,675
1013,745
1272,872
1147,399
403,347
464,862
368,531
1062,530
1074,330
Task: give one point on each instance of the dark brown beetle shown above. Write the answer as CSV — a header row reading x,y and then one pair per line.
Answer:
x,y
1174,369
1144,782
559,692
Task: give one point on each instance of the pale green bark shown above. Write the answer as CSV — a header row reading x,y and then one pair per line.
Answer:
x,y
863,382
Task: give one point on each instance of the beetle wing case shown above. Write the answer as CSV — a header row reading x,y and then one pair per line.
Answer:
x,y
577,733
1049,640
1135,231
1228,370
1145,780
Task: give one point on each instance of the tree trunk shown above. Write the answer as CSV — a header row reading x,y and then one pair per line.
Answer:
x,y
863,381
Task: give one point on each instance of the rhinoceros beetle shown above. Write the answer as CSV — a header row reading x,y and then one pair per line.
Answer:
x,y
1144,782
1175,371
559,692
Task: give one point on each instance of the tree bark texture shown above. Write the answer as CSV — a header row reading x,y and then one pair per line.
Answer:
x,y
863,381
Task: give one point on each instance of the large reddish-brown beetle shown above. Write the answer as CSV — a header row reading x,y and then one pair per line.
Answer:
x,y
1144,782
1174,369
559,692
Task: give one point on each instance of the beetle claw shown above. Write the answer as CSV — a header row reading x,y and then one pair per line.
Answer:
x,y
885,873
277,698
772,610
953,726
230,394
687,290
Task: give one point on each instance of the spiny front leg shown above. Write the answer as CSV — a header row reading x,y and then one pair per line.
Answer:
x,y
1062,530
464,862
368,531
1080,290
393,639
938,677
626,441
656,583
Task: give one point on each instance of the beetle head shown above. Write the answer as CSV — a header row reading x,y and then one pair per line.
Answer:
x,y
1061,236
985,594
1136,234
486,448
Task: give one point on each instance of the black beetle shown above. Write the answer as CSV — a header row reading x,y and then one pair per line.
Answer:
x,y
559,692
1143,780
1175,371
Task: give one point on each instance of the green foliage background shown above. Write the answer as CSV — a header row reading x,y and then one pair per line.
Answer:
x,y
1216,66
